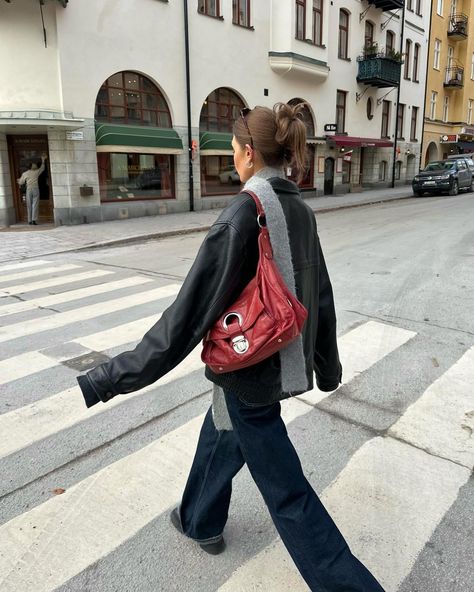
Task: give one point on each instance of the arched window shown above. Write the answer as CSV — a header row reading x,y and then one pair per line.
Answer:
x,y
343,42
220,110
131,98
407,59
398,170
382,170
369,34
390,42
306,116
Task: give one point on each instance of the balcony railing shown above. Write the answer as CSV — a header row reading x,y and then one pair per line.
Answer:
x,y
379,70
458,26
388,4
454,77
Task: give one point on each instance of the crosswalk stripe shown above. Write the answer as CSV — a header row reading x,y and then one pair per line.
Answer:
x,y
360,349
26,425
71,295
28,363
441,421
55,281
373,503
35,272
83,313
150,480
22,265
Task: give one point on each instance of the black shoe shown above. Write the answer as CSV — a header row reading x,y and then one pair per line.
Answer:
x,y
214,548
30,223
34,223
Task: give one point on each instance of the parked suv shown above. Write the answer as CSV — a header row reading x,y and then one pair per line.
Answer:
x,y
443,176
468,158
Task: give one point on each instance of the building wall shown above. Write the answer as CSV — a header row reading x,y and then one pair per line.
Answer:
x,y
90,40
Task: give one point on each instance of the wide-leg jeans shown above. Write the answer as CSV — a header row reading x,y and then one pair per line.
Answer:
x,y
260,439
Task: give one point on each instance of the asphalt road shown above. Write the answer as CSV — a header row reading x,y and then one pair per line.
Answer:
x,y
391,452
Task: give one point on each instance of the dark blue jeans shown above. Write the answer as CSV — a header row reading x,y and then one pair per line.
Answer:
x,y
260,439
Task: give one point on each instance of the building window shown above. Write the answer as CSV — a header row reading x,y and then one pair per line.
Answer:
x,y
318,22
472,67
241,13
370,109
300,19
130,98
406,74
414,118
418,7
306,116
220,110
454,6
343,34
410,5
446,109
416,61
385,119
470,104
439,7
369,34
400,118
131,177
390,42
437,53
341,111
382,170
433,101
398,170
209,7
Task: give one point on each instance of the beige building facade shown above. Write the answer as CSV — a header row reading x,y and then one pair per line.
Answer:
x,y
449,107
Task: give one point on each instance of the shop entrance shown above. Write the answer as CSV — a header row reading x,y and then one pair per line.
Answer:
x,y
24,150
329,176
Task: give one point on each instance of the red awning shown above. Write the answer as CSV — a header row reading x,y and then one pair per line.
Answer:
x,y
356,142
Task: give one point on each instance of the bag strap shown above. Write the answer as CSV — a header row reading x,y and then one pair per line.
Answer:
x,y
265,245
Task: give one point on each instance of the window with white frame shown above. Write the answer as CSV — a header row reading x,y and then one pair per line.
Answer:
x,y
406,74
470,104
439,7
454,7
437,53
445,108
382,170
418,7
416,60
433,101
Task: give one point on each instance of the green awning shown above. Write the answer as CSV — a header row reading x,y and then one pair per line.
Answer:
x,y
215,143
133,138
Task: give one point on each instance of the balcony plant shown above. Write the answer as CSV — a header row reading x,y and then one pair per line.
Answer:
x,y
391,54
370,50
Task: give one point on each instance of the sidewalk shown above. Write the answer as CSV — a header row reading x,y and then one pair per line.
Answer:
x,y
22,242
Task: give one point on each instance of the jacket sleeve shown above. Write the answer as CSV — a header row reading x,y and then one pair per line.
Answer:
x,y
212,283
327,366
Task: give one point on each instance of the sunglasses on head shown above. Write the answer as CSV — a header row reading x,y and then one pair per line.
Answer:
x,y
243,113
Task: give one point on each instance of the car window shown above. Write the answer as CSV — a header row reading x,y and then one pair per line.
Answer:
x,y
440,165
461,164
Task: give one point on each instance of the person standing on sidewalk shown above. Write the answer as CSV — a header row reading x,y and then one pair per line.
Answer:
x,y
30,177
244,424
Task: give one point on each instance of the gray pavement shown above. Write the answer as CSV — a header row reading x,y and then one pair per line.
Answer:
x,y
20,241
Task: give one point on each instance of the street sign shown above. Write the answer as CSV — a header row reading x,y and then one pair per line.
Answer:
x,y
449,138
75,136
330,127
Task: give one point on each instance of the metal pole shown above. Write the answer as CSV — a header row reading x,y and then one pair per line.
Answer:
x,y
188,106
398,99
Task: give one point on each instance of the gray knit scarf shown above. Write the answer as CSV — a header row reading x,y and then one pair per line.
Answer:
x,y
293,369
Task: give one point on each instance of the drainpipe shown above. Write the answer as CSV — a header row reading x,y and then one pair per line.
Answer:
x,y
426,93
188,108
398,100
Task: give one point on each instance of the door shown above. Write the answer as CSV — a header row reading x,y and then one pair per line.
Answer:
x,y
464,174
24,150
329,176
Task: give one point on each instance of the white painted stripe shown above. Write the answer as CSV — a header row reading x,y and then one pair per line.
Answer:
x,y
71,295
28,363
83,313
150,480
45,547
35,272
359,349
119,335
22,265
24,365
383,503
55,281
441,421
24,426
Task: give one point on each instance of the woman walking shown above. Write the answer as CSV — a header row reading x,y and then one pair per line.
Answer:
x,y
244,423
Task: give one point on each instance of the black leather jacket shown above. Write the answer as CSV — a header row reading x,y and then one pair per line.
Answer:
x,y
224,265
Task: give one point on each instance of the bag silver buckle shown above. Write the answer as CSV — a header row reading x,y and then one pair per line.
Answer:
x,y
240,344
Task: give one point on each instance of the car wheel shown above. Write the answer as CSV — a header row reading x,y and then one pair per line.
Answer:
x,y
455,188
